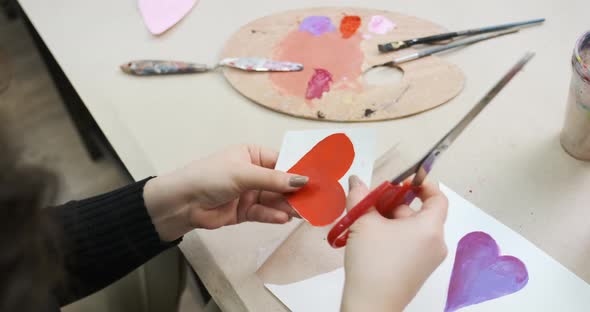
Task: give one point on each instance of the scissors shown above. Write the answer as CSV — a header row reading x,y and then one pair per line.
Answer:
x,y
391,194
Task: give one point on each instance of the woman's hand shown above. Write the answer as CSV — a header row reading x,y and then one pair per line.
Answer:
x,y
388,260
236,185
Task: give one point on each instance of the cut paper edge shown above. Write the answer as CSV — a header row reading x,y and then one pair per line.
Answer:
x,y
342,142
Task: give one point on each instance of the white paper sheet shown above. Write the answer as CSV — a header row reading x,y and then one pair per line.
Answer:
x,y
319,293
551,286
298,143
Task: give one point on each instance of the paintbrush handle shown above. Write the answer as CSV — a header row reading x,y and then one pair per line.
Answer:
x,y
159,67
459,43
431,51
402,44
477,31
430,39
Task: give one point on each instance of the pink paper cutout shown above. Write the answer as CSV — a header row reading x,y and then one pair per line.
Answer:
x,y
481,274
161,15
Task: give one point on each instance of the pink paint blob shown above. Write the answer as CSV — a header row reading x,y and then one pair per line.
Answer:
x,y
318,84
342,58
481,274
380,25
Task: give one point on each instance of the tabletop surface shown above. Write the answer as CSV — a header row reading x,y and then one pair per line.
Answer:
x,y
508,162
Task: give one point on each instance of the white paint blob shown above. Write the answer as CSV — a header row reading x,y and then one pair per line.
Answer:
x,y
380,25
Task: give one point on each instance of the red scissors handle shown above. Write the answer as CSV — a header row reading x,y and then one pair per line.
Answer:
x,y
385,198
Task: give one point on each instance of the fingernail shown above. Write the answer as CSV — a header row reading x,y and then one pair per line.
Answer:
x,y
298,181
354,181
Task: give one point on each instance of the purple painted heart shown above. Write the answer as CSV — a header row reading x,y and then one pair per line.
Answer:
x,y
480,273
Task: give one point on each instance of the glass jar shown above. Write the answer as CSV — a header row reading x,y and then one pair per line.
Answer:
x,y
575,136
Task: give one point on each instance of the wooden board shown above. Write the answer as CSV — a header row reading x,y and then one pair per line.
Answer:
x,y
426,83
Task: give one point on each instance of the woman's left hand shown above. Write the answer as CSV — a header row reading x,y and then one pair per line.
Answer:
x,y
236,185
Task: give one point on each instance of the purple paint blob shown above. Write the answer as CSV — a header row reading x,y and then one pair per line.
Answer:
x,y
318,84
317,25
481,274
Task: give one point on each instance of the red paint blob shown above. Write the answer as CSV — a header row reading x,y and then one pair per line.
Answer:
x,y
349,25
318,84
322,199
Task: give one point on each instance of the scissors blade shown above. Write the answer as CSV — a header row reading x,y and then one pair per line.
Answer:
x,y
424,165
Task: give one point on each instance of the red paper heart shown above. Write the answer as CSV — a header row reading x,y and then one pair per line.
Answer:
x,y
322,199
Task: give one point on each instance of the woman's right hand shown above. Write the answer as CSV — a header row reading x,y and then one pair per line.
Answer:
x,y
388,260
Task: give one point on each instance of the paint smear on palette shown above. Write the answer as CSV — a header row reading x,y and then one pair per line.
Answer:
x,y
318,84
349,25
481,274
317,25
380,25
342,58
322,199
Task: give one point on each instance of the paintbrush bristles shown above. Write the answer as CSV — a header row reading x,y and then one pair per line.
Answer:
x,y
392,46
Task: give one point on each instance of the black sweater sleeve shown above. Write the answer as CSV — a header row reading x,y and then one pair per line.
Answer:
x,y
104,238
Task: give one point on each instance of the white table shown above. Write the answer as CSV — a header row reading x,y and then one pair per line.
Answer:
x,y
509,162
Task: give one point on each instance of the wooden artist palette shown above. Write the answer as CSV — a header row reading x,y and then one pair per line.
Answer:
x,y
337,46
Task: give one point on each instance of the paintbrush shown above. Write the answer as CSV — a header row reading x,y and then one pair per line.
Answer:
x,y
402,44
458,43
253,64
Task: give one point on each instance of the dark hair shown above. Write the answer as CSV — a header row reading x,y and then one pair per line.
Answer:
x,y
29,256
